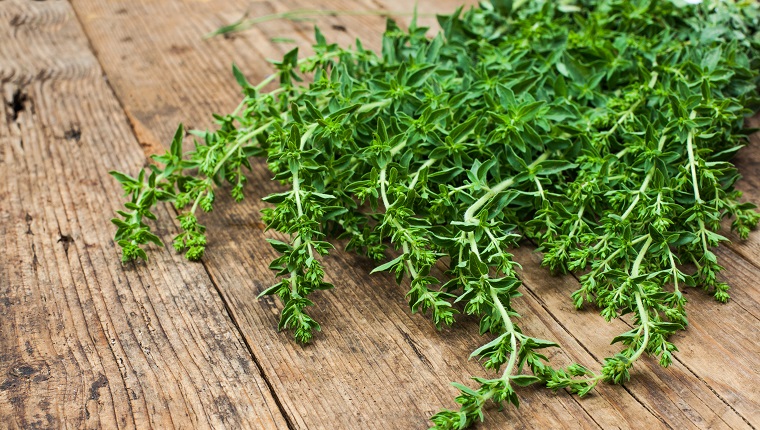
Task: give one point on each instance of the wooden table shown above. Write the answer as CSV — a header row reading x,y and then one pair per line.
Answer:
x,y
94,85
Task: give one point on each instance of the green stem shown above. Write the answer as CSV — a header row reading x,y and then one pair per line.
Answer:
x,y
617,251
307,135
302,14
579,219
645,184
469,215
508,326
643,312
693,165
404,243
195,204
540,188
383,194
416,176
695,182
674,270
494,242
630,110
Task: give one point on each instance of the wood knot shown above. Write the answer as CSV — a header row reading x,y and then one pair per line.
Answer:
x,y
36,371
101,382
74,133
66,241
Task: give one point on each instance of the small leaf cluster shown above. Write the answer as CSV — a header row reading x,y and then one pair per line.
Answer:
x,y
602,131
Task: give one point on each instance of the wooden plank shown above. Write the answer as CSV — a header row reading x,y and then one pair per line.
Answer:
x,y
85,341
719,352
367,324
375,364
710,383
748,162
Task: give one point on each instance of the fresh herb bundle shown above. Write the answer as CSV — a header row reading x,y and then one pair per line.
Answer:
x,y
600,130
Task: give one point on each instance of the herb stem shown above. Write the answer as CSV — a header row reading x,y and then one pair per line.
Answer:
x,y
645,184
255,132
494,242
302,14
540,188
693,165
416,176
622,118
509,328
307,135
695,183
578,220
643,312
617,251
674,269
404,243
632,109
506,320
383,194
469,215
297,185
195,204
297,193
266,81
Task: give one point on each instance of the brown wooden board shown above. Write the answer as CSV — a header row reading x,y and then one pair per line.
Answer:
x,y
376,365
86,342
748,163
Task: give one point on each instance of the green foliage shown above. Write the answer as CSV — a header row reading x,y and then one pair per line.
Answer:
x,y
600,130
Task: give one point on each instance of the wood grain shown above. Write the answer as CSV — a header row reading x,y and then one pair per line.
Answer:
x,y
376,365
748,163
710,383
84,341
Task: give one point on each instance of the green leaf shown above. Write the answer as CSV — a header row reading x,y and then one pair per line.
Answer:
x,y
123,179
176,147
504,7
388,265
239,77
279,246
524,380
552,167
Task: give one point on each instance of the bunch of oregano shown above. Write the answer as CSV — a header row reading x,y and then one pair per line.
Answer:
x,y
600,130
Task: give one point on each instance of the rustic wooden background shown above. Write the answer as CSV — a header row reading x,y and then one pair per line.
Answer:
x,y
94,85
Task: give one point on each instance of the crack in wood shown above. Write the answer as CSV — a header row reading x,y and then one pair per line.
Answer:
x,y
408,339
259,367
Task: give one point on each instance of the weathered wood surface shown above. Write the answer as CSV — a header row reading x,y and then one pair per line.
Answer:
x,y
375,365
84,341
